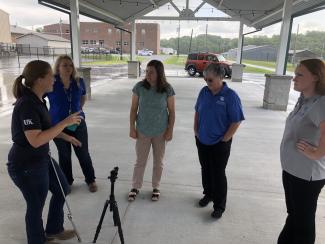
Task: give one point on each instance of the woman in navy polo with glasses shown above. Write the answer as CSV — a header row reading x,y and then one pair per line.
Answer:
x,y
218,114
69,96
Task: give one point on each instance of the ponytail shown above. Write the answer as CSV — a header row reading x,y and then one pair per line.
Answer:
x,y
18,87
33,70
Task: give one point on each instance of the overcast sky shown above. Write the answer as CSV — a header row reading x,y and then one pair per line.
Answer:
x,y
29,14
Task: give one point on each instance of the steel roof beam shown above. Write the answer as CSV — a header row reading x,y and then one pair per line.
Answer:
x,y
144,11
94,8
174,6
199,7
186,18
275,12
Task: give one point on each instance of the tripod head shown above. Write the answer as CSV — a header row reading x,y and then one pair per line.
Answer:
x,y
113,175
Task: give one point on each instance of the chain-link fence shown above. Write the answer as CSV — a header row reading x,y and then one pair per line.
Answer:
x,y
17,55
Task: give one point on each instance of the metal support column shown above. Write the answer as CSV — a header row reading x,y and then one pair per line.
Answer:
x,y
133,41
284,37
75,32
240,43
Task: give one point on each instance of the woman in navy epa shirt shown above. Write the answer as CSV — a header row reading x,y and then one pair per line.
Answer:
x,y
218,114
69,96
29,163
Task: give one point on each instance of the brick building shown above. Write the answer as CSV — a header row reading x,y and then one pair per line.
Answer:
x,y
98,34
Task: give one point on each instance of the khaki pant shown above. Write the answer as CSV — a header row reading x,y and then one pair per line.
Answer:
x,y
142,147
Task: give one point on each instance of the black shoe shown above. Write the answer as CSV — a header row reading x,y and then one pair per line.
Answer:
x,y
217,213
204,201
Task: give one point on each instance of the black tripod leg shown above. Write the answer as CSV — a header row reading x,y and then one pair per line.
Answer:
x,y
101,221
117,221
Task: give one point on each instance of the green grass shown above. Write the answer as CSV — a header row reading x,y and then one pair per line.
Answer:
x,y
290,67
249,69
176,60
113,59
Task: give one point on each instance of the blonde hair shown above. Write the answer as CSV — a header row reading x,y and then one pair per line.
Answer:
x,y
317,68
59,61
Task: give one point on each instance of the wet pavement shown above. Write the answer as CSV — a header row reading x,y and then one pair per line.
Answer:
x,y
11,67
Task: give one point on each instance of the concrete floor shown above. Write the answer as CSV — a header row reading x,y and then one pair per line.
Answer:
x,y
255,210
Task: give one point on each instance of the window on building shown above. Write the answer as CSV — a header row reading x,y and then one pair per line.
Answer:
x,y
125,43
101,42
118,31
85,42
93,42
67,31
143,31
141,44
95,30
118,43
109,31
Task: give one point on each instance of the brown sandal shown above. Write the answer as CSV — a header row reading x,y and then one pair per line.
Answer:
x,y
133,194
155,195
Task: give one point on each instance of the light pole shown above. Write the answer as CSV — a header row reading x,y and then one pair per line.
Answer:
x,y
60,23
143,32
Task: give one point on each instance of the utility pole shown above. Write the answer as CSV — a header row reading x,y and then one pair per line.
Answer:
x,y
60,24
179,32
294,49
206,38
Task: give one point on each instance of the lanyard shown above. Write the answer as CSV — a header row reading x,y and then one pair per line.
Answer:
x,y
68,93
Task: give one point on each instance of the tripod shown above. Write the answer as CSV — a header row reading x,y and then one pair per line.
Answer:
x,y
112,208
65,199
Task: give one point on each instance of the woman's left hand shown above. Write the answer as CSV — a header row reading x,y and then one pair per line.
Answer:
x,y
74,141
307,149
168,135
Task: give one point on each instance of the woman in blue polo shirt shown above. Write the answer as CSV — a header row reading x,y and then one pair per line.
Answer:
x,y
218,114
29,164
69,96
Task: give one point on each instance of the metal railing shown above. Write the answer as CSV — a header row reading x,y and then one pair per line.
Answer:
x,y
24,52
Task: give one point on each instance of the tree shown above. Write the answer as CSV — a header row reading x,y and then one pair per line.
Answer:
x,y
39,29
311,40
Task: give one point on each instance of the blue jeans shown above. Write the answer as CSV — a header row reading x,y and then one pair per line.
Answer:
x,y
82,153
34,185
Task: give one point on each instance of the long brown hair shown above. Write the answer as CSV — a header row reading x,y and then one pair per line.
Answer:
x,y
162,83
317,68
58,62
33,70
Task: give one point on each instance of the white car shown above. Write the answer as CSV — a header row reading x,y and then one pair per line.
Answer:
x,y
145,52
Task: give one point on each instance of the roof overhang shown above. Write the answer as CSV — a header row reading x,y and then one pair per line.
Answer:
x,y
253,13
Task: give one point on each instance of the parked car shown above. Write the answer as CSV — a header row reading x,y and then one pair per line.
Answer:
x,y
114,51
84,49
196,63
145,52
103,50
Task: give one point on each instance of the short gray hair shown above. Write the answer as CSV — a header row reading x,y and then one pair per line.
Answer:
x,y
215,69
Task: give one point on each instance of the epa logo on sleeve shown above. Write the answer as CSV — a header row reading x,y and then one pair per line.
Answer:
x,y
28,122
